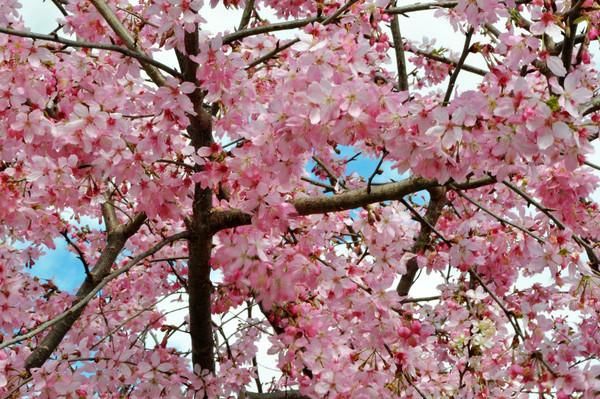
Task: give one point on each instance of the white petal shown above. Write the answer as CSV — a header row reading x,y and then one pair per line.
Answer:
x,y
315,116
561,130
544,141
556,66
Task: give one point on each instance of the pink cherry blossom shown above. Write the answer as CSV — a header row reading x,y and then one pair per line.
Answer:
x,y
300,196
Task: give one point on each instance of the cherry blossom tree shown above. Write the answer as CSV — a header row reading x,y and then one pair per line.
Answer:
x,y
222,180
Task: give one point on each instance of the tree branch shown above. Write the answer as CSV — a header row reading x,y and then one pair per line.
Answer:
x,y
248,8
124,35
241,34
399,51
459,65
226,219
592,106
117,236
274,395
499,218
98,46
60,7
289,44
83,299
80,254
433,5
421,7
444,60
434,210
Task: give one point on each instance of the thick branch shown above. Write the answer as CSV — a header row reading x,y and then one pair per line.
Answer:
x,y
248,8
434,210
225,219
78,306
322,204
200,241
274,395
117,236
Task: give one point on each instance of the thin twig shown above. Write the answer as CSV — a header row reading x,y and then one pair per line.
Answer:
x,y
318,183
235,142
421,7
509,315
338,12
499,218
10,395
60,7
117,26
275,27
459,65
179,278
532,201
422,220
376,172
593,258
80,255
98,46
422,299
332,177
444,60
278,49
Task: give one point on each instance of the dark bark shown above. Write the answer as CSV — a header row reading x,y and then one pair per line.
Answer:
x,y
434,210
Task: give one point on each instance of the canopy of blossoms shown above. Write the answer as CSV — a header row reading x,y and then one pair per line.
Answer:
x,y
222,180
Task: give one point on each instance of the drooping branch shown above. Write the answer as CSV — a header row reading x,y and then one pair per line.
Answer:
x,y
591,254
80,254
117,236
432,5
497,217
98,46
509,315
78,306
